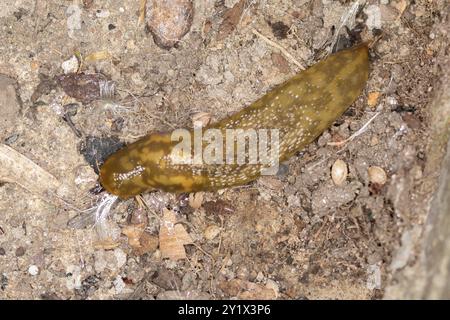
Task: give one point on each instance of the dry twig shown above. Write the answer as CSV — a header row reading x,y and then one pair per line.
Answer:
x,y
280,48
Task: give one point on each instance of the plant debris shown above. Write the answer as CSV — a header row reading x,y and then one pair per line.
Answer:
x,y
230,20
172,237
87,87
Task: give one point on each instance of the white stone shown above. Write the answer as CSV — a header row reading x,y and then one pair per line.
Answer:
x,y
71,65
373,13
373,277
33,270
73,281
121,257
119,285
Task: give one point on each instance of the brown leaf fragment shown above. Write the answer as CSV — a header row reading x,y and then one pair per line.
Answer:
x,y
218,207
140,241
412,121
172,237
134,233
230,20
280,62
149,243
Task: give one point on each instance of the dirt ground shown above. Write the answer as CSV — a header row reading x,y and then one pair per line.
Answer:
x,y
292,236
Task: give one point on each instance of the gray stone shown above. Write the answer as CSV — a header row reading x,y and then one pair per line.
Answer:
x,y
9,106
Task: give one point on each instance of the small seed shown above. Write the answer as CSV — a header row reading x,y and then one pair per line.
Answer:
x,y
377,175
339,172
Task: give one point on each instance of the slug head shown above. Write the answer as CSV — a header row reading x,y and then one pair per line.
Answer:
x,y
129,171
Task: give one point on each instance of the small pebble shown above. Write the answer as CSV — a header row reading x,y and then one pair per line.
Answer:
x,y
33,270
71,65
12,139
392,101
283,170
168,21
211,232
119,285
374,141
377,175
20,251
339,172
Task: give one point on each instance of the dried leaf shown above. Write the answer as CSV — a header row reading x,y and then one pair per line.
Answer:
x,y
134,233
219,207
149,243
372,98
280,62
230,20
106,244
401,6
99,55
140,241
142,7
172,237
196,200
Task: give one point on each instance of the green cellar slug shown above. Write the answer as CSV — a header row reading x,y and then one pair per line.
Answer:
x,y
300,108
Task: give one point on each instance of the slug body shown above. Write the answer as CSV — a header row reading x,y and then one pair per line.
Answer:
x,y
301,109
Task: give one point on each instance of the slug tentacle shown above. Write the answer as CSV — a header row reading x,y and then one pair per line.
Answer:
x,y
300,109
